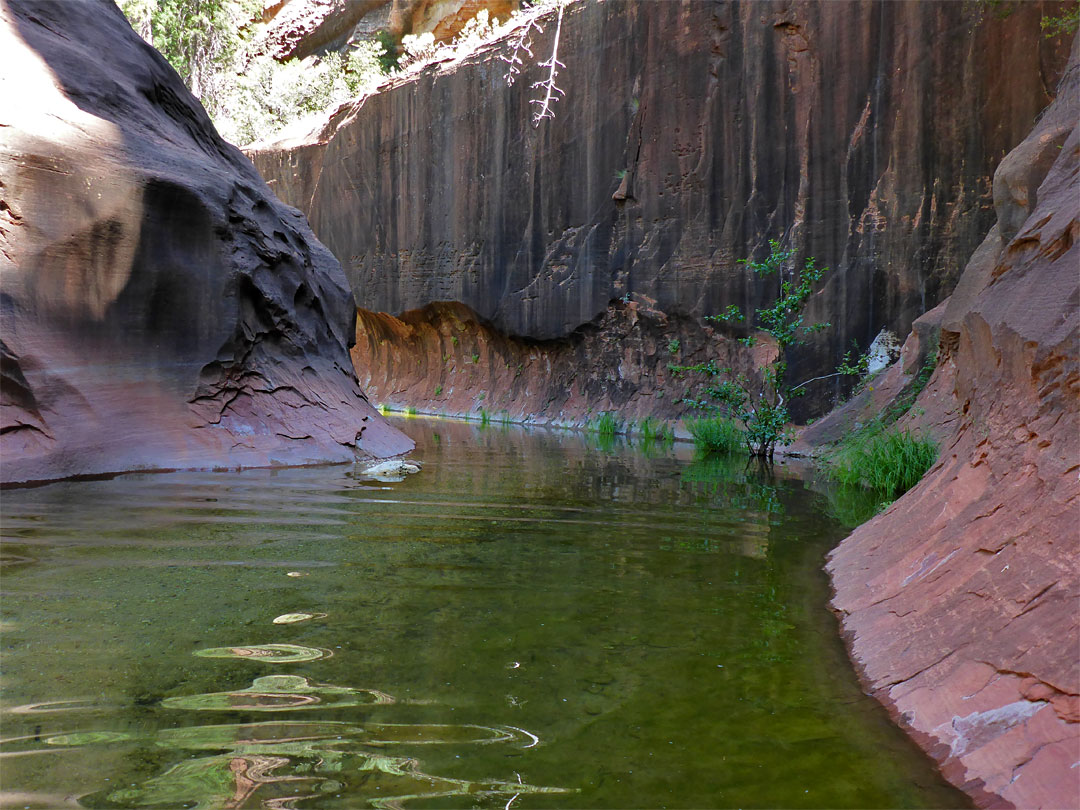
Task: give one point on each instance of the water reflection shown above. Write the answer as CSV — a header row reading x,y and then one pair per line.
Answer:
x,y
659,622
276,764
277,693
268,653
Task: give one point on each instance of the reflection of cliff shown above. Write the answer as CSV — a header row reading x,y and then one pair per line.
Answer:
x,y
960,601
690,134
160,308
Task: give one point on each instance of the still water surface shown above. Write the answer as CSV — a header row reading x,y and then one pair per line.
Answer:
x,y
533,621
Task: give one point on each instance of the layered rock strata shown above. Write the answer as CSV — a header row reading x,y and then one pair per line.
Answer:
x,y
445,359
160,308
690,133
960,601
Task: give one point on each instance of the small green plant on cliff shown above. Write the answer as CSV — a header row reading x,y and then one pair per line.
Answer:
x,y
761,404
1064,23
673,345
438,390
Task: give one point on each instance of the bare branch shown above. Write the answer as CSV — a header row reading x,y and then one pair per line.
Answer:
x,y
522,43
550,90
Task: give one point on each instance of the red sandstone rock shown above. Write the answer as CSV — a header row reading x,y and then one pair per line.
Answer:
x,y
160,308
960,601
445,359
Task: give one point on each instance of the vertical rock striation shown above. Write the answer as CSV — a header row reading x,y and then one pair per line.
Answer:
x,y
160,308
691,133
960,601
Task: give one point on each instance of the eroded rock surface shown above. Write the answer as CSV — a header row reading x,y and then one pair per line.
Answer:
x,y
960,601
160,308
690,134
445,359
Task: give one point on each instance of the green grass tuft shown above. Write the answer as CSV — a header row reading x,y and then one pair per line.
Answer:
x,y
606,424
654,430
888,461
717,434
411,411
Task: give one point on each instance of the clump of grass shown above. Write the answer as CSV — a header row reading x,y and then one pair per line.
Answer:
x,y
504,418
717,434
384,409
653,430
606,424
485,417
438,390
888,461
411,411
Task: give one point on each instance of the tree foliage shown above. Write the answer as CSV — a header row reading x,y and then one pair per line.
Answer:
x,y
760,403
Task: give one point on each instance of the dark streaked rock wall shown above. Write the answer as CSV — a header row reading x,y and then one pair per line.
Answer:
x,y
690,134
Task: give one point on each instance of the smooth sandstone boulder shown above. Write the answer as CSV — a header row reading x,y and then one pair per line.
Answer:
x,y
159,307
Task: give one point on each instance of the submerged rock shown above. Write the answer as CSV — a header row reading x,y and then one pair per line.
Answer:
x,y
160,308
391,471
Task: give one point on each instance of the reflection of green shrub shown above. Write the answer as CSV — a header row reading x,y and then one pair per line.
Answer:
x,y
717,434
853,505
888,461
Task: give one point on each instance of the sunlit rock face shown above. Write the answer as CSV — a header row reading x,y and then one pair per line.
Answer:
x,y
298,28
690,133
160,308
960,600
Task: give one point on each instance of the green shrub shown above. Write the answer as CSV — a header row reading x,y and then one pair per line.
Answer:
x,y
485,417
717,434
761,404
888,461
438,390
411,411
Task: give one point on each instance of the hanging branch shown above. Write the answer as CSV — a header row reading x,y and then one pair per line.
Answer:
x,y
522,43
550,90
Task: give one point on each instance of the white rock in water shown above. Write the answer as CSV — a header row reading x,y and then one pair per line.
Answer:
x,y
392,470
293,618
882,352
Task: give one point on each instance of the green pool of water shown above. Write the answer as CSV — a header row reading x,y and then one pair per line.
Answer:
x,y
535,620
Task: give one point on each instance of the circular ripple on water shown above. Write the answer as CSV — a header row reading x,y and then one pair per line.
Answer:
x,y
280,693
269,653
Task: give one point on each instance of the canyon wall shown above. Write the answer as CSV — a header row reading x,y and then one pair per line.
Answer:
x,y
865,133
160,307
960,601
451,361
